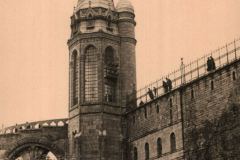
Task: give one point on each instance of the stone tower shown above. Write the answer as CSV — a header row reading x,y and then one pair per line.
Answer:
x,y
102,73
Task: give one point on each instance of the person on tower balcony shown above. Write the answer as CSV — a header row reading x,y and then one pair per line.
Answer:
x,y
150,93
169,83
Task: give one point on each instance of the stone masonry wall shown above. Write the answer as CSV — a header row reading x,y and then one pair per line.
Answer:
x,y
207,115
152,121
207,127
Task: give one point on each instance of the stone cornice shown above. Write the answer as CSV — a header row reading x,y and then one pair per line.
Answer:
x,y
128,20
99,35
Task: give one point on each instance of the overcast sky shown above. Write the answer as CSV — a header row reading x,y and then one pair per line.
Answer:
x,y
34,54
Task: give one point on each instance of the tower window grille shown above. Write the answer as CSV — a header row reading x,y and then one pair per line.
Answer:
x,y
74,78
109,93
110,74
91,75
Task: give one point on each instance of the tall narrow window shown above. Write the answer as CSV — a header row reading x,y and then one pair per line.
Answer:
x,y
157,108
145,112
110,74
159,147
135,154
74,78
146,151
212,85
173,142
170,102
91,75
234,75
192,94
171,110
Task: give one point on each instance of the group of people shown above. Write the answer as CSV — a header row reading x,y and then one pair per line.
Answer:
x,y
153,93
167,85
210,64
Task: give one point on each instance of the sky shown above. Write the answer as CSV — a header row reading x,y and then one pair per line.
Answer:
x,y
34,53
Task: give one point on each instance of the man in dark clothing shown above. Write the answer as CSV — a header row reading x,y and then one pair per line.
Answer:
x,y
165,87
213,63
169,83
209,64
150,93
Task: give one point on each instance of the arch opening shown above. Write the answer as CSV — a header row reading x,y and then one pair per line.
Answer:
x,y
173,142
34,152
74,78
110,74
146,151
159,147
91,74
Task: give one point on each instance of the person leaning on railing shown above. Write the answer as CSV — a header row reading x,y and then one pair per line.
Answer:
x,y
150,93
210,64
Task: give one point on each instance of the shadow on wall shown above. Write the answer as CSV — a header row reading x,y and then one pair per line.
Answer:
x,y
219,139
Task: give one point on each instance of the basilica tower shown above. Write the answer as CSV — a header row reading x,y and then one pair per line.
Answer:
x,y
102,73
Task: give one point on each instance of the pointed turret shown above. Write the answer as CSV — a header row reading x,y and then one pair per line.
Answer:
x,y
125,6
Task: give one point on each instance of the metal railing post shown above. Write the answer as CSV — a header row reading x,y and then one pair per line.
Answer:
x,y
227,53
205,67
235,49
197,68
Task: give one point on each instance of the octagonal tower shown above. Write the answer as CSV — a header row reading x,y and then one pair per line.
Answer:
x,y
102,73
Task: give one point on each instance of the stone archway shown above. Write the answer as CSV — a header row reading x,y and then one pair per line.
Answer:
x,y
34,149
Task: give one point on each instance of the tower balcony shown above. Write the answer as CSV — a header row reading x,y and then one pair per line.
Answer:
x,y
111,72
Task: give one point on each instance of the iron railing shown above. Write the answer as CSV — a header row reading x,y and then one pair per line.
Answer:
x,y
187,73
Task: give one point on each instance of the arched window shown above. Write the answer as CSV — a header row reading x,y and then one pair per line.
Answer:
x,y
173,142
159,147
91,74
74,78
135,154
110,74
146,151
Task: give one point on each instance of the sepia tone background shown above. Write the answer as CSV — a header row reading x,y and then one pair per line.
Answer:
x,y
34,54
